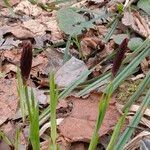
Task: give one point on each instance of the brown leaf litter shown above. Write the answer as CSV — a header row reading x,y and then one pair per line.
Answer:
x,y
137,22
9,99
79,125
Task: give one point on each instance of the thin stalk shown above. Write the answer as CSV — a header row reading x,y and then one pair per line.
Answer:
x,y
116,131
66,55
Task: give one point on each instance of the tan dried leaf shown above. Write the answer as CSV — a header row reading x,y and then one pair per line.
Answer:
x,y
25,7
135,21
9,99
80,124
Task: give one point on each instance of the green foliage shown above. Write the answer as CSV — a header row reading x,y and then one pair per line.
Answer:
x,y
5,139
134,43
111,29
116,132
17,140
71,22
6,2
120,8
144,5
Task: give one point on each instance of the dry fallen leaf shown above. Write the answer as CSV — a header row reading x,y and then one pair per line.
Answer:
x,y
145,65
25,7
11,3
91,44
9,99
9,43
135,21
70,71
135,142
46,62
80,124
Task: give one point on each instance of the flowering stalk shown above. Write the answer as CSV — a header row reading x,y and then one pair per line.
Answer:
x,y
119,56
26,61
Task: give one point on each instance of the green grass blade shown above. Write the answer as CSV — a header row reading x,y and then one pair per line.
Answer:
x,y
116,131
53,104
103,105
21,93
66,54
34,122
111,30
64,93
95,84
135,121
138,50
6,139
74,84
17,140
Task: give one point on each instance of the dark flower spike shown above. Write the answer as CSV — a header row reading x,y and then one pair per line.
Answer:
x,y
119,56
26,60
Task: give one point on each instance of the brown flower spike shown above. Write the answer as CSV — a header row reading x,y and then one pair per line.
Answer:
x,y
26,60
119,56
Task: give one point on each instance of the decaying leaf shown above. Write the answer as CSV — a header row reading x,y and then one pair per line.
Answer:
x,y
135,21
144,121
80,124
70,71
145,65
9,43
91,44
11,2
25,7
46,62
136,141
9,99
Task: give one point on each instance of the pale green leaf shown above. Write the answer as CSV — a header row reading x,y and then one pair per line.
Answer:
x,y
134,43
144,5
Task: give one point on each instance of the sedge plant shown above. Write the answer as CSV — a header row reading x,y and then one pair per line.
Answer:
x,y
27,99
104,102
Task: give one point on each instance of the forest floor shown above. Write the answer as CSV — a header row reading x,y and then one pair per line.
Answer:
x,y
78,40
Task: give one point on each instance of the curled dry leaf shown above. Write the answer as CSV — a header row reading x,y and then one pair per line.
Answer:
x,y
45,62
135,142
35,27
135,21
80,124
91,44
145,65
